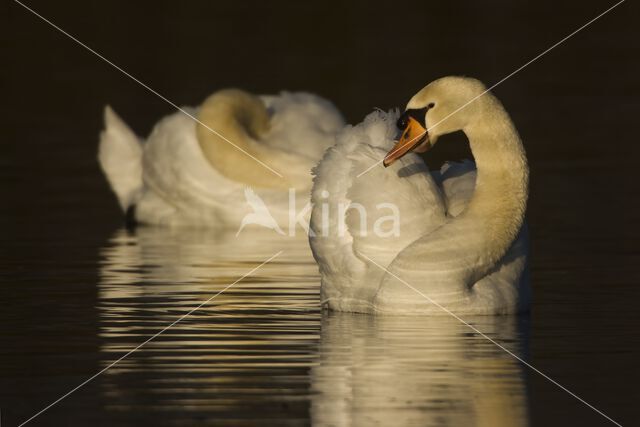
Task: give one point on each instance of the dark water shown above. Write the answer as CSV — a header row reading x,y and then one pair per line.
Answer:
x,y
77,291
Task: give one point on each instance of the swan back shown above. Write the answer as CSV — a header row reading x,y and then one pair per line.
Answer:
x,y
341,237
302,124
269,142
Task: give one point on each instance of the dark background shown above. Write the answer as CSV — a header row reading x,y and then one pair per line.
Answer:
x,y
576,109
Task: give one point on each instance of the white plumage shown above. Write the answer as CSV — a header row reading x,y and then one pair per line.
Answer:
x,y
181,175
456,257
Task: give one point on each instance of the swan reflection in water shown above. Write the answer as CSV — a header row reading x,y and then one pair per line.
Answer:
x,y
264,350
429,370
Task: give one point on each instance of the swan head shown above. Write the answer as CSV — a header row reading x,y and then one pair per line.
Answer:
x,y
443,106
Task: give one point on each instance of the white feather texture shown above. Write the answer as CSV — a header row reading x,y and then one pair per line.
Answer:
x,y
171,182
120,155
454,244
349,280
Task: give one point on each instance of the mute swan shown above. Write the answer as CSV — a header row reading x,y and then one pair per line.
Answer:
x,y
461,240
187,174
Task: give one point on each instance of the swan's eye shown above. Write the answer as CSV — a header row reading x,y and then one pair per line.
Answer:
x,y
431,105
403,121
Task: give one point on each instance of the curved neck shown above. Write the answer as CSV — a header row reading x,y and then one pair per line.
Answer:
x,y
239,119
464,249
496,211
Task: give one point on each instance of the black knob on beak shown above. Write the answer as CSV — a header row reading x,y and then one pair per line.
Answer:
x,y
403,121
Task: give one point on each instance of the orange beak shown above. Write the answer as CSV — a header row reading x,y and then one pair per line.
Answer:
x,y
413,137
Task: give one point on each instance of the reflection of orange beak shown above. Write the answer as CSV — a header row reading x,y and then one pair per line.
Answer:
x,y
413,136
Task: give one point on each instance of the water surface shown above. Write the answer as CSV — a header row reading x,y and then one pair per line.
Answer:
x,y
263,351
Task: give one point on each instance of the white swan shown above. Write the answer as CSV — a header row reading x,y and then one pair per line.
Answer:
x,y
187,174
461,242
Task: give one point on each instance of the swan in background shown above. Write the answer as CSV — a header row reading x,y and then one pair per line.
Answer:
x,y
461,241
195,172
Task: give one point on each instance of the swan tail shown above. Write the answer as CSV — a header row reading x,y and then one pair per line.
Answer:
x,y
120,156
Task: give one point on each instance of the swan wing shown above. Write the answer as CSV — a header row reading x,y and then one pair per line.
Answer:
x,y
374,215
181,187
180,184
458,182
302,124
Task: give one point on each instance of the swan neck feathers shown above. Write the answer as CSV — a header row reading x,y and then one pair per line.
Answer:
x,y
468,246
497,209
232,124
